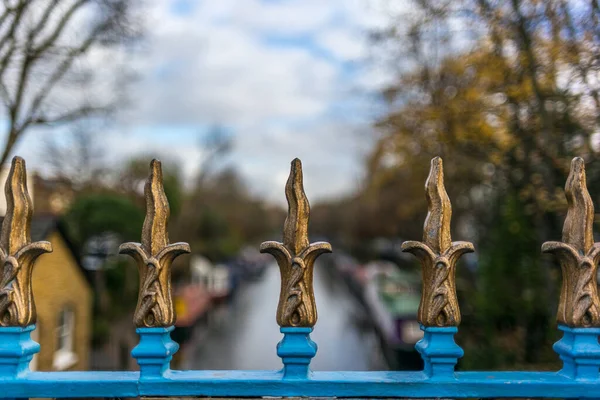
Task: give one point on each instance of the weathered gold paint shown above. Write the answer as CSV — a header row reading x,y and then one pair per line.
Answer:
x,y
17,253
296,257
438,255
578,255
154,256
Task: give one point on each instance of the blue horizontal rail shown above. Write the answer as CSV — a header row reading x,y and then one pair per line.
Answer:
x,y
320,384
579,378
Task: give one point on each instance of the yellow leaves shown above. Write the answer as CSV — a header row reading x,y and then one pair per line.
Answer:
x,y
506,103
459,107
536,193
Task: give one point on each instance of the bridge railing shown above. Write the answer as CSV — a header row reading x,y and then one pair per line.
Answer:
x,y
439,314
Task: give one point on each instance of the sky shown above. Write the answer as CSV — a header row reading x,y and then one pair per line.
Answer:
x,y
285,78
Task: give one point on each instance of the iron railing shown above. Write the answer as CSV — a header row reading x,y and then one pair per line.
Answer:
x,y
439,314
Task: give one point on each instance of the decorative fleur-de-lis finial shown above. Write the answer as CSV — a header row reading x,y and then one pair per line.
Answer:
x,y
296,257
17,253
578,255
154,256
438,255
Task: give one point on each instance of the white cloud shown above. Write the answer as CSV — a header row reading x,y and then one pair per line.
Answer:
x,y
201,70
344,45
274,72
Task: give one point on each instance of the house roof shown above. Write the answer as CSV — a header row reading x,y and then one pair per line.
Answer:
x,y
41,228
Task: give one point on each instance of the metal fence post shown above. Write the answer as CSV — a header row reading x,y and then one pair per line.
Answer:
x,y
439,314
154,351
297,310
578,313
17,258
154,316
439,351
580,352
16,350
296,350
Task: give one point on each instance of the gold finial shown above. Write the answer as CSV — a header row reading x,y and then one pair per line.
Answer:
x,y
295,228
578,226
296,257
578,255
436,232
17,253
438,255
154,256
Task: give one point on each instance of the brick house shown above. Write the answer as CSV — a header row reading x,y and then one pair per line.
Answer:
x,y
64,301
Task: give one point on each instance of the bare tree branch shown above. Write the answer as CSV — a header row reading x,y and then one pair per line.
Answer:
x,y
41,24
18,13
69,116
62,69
37,54
58,30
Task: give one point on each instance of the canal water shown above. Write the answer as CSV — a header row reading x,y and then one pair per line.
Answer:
x,y
244,334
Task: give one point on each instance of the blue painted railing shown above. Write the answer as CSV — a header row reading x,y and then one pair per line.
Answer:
x,y
579,348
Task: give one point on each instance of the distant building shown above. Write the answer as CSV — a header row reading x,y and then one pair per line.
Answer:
x,y
63,299
192,300
215,278
50,196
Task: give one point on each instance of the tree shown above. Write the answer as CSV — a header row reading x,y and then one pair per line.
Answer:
x,y
219,216
98,223
43,45
507,99
133,175
99,213
79,160
216,144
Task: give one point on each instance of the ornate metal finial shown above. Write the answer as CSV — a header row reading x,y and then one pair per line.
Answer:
x,y
17,253
578,255
296,257
438,255
154,257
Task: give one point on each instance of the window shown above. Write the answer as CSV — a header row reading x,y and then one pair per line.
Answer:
x,y
65,357
65,330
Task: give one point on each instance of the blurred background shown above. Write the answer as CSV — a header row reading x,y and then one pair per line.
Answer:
x,y
226,93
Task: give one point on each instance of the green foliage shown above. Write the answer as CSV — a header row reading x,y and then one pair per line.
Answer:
x,y
135,173
513,307
122,282
508,267
216,237
95,214
218,217
174,191
100,331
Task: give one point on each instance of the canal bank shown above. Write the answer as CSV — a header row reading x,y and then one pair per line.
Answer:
x,y
243,334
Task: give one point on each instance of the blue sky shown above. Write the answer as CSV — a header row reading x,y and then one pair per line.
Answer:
x,y
287,78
